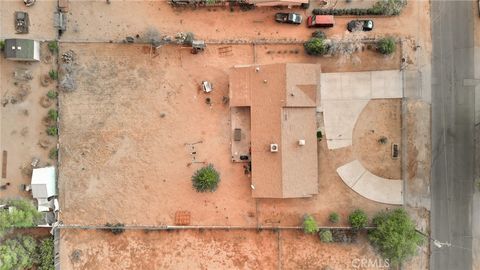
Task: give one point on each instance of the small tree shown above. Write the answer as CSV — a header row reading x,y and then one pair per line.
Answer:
x,y
395,235
53,114
206,179
358,219
386,46
23,215
53,46
2,45
334,218
53,74
45,255
18,253
52,94
326,236
316,46
309,225
52,131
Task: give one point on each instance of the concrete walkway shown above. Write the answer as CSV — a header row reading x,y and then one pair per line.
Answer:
x,y
344,95
371,186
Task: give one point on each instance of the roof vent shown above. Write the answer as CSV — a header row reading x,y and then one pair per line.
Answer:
x,y
19,48
301,142
273,147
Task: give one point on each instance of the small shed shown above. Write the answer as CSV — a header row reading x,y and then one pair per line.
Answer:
x,y
43,183
22,49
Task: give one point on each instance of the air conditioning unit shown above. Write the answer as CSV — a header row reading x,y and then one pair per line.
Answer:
x,y
301,142
273,147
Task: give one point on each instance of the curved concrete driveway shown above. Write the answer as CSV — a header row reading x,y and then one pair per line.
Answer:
x,y
371,186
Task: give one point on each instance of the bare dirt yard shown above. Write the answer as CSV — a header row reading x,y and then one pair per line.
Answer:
x,y
234,249
23,120
127,134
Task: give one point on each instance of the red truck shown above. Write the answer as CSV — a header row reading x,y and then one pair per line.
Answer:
x,y
320,21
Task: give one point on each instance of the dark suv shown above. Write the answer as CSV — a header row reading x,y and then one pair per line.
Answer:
x,y
292,18
356,25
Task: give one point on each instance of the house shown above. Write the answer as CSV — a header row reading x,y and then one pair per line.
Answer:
x,y
22,49
281,101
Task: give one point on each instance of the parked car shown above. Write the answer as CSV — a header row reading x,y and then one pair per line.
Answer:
x,y
320,21
292,18
364,25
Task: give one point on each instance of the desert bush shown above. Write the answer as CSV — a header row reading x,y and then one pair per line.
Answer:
x,y
309,225
18,253
382,7
52,131
53,154
389,7
52,94
53,74
45,255
53,114
319,34
334,218
53,46
2,45
206,179
386,46
395,235
316,46
117,228
326,236
358,219
24,215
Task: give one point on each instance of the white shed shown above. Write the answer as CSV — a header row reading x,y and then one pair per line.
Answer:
x,y
43,183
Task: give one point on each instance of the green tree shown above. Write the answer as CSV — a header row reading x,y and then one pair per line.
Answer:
x,y
206,179
53,46
18,253
23,215
326,236
389,7
53,114
309,225
358,219
386,46
395,235
334,218
52,131
45,252
316,46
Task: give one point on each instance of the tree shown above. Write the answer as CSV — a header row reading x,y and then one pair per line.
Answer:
x,y
326,236
389,7
23,215
309,225
358,219
395,235
46,259
334,218
386,46
18,253
206,179
316,46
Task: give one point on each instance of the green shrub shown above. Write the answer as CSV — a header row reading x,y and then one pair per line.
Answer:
x,y
390,7
53,154
18,253
358,219
334,218
382,7
24,215
53,46
326,236
52,94
53,114
319,135
395,235
2,45
45,252
53,74
386,46
309,225
117,228
52,131
206,179
316,46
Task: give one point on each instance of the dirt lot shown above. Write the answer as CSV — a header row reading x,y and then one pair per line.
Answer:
x,y
124,132
23,126
207,250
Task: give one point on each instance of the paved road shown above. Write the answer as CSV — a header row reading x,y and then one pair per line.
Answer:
x,y
452,133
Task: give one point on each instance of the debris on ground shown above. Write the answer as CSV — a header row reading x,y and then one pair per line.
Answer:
x,y
23,91
67,71
22,74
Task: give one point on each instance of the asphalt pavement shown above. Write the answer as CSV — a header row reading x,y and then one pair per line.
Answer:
x,y
453,113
